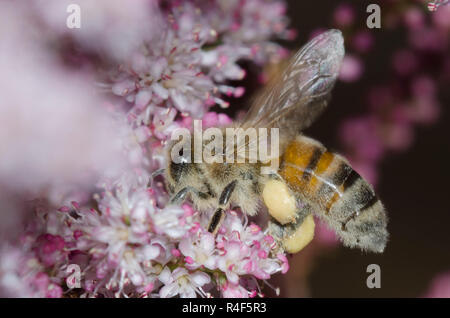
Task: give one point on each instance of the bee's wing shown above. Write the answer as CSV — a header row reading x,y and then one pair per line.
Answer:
x,y
293,100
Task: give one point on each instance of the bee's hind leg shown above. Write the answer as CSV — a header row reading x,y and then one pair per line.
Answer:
x,y
219,214
293,237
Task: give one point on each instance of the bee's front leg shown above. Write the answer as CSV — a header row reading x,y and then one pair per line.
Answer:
x,y
219,214
181,195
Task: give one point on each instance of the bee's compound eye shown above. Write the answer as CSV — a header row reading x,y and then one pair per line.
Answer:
x,y
279,201
176,171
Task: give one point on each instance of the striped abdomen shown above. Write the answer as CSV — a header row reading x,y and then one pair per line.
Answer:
x,y
337,193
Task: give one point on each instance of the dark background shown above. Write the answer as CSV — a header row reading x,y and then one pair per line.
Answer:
x,y
413,184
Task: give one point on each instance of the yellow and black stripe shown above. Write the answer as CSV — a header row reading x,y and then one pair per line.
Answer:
x,y
324,177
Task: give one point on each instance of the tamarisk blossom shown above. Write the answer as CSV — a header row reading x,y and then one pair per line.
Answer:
x,y
180,282
184,66
125,236
126,245
238,251
119,228
21,275
36,266
435,4
166,73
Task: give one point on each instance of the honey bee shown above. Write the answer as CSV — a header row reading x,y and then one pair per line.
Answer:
x,y
310,180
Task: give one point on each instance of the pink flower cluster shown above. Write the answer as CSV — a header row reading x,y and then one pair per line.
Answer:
x,y
131,247
186,67
121,233
22,275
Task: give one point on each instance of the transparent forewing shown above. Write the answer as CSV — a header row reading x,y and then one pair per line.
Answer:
x,y
293,100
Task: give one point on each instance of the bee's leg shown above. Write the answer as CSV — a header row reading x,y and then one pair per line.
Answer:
x,y
293,237
216,220
226,193
219,214
181,195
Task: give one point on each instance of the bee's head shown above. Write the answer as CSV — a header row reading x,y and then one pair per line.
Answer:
x,y
179,165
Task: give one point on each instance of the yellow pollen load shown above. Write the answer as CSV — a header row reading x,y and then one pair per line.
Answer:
x,y
301,237
279,201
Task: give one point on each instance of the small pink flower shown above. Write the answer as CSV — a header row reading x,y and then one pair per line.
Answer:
x,y
351,69
234,291
362,41
64,209
254,229
262,254
77,234
230,263
441,18
439,287
188,210
175,252
425,110
344,15
49,249
414,18
41,281
285,264
199,250
54,291
398,135
181,282
362,137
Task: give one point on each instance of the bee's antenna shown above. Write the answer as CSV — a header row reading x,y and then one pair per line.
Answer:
x,y
154,175
158,172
